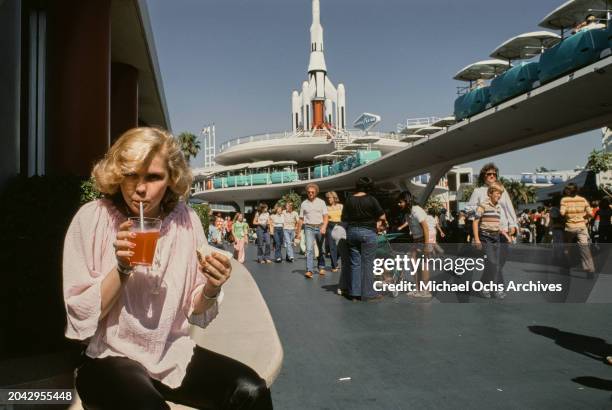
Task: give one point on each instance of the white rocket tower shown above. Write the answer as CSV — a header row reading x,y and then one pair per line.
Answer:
x,y
317,58
320,105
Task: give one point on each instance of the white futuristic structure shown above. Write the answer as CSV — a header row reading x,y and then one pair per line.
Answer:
x,y
320,105
318,118
530,107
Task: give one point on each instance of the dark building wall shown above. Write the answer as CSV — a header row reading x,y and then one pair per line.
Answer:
x,y
124,99
62,84
78,78
10,51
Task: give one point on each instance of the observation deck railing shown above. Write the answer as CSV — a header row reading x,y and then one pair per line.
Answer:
x,y
416,122
300,134
267,177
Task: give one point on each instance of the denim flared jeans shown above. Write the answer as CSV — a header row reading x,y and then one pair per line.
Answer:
x,y
362,250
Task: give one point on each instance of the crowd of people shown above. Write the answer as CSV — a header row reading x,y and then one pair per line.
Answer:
x,y
545,224
348,233
320,229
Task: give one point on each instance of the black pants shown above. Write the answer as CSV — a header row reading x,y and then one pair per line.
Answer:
x,y
504,249
605,234
491,244
212,381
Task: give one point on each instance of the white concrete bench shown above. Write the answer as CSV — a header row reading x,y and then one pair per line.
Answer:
x,y
243,330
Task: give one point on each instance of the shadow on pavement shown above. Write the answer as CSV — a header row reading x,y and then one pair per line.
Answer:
x,y
330,288
594,382
589,346
593,347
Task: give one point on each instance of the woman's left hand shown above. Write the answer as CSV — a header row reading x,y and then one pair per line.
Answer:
x,y
217,270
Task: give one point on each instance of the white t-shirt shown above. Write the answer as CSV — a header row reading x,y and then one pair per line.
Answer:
x,y
417,215
290,219
313,211
277,220
263,218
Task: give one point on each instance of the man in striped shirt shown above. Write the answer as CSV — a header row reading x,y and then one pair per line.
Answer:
x,y
576,211
486,229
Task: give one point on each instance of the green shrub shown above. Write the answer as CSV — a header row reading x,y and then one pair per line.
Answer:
x,y
599,161
89,192
203,211
434,205
293,197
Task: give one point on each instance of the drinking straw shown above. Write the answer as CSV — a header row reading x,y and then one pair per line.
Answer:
x,y
142,230
141,218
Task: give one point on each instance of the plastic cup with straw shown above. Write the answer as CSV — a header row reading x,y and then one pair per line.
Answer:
x,y
147,234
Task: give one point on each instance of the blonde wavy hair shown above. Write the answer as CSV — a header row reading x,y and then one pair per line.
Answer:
x,y
131,151
495,187
333,194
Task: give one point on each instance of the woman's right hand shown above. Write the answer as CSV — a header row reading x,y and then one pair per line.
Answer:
x,y
123,246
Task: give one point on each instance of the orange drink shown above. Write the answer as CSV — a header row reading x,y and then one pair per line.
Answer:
x,y
146,238
145,248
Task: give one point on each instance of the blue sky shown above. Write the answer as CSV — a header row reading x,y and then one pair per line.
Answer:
x,y
235,62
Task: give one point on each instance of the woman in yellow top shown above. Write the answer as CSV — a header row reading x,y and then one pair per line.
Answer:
x,y
334,212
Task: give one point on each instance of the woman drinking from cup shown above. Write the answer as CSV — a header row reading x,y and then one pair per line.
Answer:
x,y
136,320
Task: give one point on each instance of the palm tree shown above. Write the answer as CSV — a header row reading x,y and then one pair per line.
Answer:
x,y
599,161
519,192
189,145
466,192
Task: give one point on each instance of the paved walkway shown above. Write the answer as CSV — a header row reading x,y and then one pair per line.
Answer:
x,y
400,354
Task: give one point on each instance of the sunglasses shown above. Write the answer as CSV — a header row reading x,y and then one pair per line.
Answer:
x,y
488,174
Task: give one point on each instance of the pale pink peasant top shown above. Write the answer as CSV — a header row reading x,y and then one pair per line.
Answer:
x,y
145,325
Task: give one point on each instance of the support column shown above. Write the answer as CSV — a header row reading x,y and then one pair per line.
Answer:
x,y
78,102
124,99
435,175
240,204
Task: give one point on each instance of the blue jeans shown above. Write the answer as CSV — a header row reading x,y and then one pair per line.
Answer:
x,y
263,244
362,249
278,242
314,234
289,238
333,250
